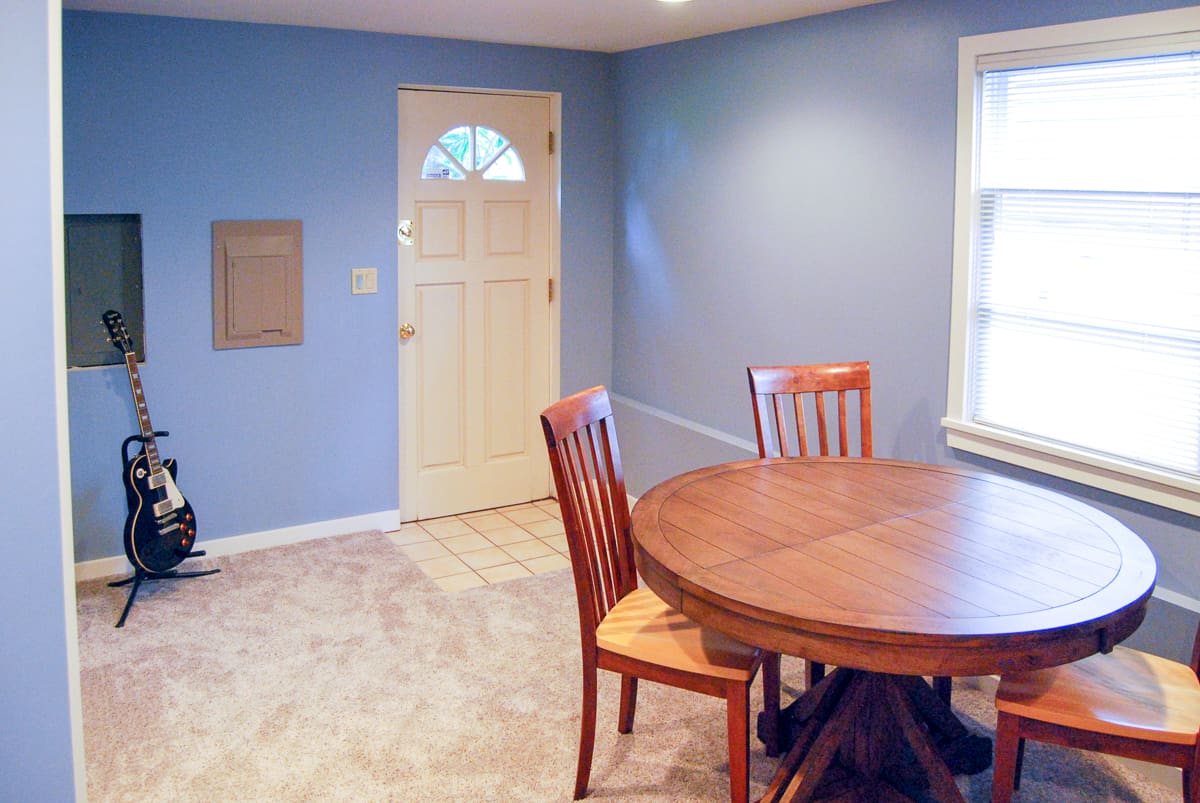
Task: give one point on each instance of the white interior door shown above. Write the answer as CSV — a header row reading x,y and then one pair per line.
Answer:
x,y
475,178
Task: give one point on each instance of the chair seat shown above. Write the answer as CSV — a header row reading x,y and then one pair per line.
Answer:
x,y
1125,693
643,627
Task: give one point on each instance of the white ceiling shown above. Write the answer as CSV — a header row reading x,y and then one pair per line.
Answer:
x,y
602,25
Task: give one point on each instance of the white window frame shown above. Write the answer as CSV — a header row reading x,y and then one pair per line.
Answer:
x,y
1139,34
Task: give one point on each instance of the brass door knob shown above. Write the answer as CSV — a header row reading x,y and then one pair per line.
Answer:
x,y
407,331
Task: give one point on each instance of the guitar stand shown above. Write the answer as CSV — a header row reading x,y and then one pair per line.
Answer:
x,y
141,574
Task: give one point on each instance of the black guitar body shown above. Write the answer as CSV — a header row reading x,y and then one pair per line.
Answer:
x,y
160,529
161,526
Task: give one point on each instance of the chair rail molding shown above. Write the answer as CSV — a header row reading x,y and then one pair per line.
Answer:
x,y
701,429
1166,595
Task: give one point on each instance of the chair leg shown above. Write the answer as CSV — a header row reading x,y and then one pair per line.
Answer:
x,y
942,685
587,732
629,686
1191,778
1006,764
1020,763
737,714
814,673
771,684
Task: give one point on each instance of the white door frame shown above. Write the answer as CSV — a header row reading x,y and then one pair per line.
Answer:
x,y
408,477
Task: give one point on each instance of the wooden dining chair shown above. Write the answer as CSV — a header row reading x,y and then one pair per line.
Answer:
x,y
791,408
1127,703
627,629
785,396
778,393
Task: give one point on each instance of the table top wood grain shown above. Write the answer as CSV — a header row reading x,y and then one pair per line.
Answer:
x,y
895,567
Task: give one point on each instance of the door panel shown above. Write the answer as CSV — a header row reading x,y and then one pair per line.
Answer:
x,y
507,318
475,180
443,231
507,228
440,316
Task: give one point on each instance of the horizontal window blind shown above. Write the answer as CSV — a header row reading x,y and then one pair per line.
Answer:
x,y
1086,314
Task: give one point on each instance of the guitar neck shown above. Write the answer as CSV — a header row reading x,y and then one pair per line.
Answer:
x,y
143,413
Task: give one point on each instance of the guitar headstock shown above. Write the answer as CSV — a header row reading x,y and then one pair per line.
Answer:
x,y
117,332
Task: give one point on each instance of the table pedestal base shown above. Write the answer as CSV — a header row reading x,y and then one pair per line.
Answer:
x,y
865,736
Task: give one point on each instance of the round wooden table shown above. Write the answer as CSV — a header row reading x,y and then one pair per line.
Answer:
x,y
889,571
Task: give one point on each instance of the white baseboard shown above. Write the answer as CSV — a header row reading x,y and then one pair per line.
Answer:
x,y
383,520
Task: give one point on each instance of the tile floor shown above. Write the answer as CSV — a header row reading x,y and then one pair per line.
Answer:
x,y
487,546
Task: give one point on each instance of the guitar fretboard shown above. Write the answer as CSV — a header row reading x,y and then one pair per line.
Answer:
x,y
143,413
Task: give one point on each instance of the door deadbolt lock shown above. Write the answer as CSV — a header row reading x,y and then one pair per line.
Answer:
x,y
407,331
404,232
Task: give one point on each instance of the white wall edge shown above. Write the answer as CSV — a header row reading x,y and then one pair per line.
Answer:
x,y
232,545
54,75
715,434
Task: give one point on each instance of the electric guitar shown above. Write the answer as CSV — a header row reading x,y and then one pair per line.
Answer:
x,y
161,527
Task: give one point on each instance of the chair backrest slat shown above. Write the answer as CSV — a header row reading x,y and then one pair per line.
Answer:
x,y
770,385
582,442
584,515
843,435
781,425
822,423
604,510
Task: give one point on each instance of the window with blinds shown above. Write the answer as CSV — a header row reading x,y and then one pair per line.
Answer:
x,y
1077,303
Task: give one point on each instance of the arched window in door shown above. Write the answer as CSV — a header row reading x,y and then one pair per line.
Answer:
x,y
473,149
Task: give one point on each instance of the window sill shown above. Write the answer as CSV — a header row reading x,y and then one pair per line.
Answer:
x,y
1138,482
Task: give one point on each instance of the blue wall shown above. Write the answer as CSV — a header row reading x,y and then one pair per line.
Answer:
x,y
782,194
187,122
785,195
37,617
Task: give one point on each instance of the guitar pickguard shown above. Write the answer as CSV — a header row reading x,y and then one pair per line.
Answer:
x,y
174,499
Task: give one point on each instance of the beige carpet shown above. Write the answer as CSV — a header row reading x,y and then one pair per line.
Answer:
x,y
335,670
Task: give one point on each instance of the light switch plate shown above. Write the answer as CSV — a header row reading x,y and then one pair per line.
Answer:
x,y
363,280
